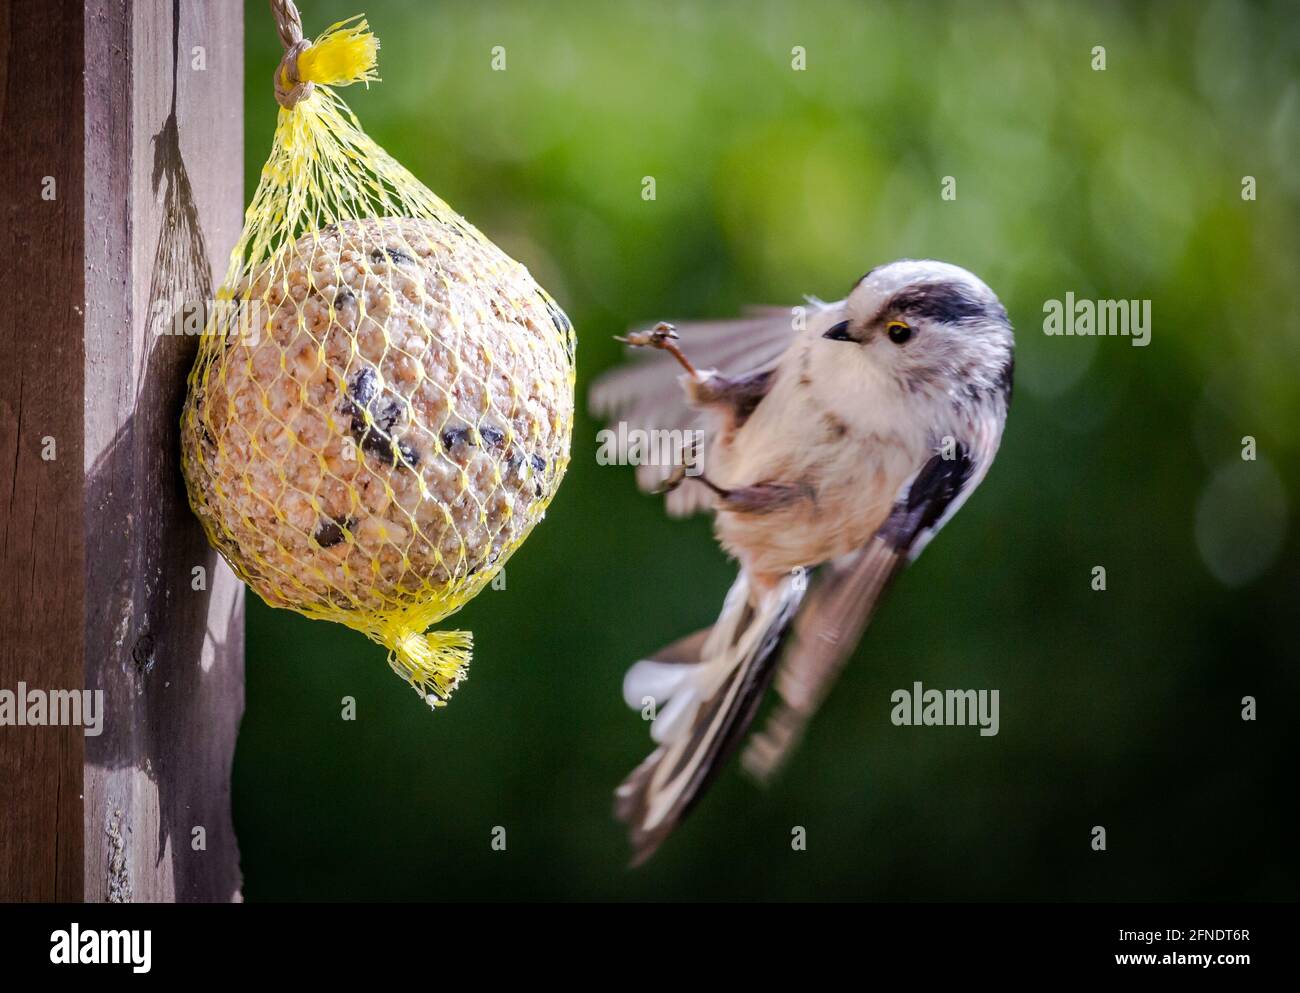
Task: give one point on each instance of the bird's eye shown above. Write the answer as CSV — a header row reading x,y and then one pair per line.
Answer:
x,y
898,332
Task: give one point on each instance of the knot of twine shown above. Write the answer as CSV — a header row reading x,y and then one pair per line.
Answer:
x,y
289,89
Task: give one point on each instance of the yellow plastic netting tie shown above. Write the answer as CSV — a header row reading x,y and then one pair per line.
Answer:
x,y
434,663
344,54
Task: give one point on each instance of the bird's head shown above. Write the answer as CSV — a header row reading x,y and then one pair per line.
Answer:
x,y
930,326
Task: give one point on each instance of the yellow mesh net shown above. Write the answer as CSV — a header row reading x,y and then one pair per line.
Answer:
x,y
382,402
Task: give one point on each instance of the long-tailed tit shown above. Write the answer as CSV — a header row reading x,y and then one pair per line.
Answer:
x,y
833,448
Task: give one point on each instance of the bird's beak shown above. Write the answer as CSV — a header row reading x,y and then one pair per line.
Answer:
x,y
840,332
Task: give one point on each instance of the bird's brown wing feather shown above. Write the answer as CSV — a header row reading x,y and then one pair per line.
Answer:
x,y
839,606
646,393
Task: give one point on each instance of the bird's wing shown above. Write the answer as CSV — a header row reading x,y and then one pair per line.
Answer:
x,y
645,394
844,595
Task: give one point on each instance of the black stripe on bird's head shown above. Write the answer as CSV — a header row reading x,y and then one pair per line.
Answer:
x,y
945,301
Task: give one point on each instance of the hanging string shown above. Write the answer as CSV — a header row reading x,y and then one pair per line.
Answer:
x,y
289,86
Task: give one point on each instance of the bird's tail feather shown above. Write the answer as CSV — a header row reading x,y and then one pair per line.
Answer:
x,y
701,693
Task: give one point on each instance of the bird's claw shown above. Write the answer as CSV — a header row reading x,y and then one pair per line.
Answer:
x,y
661,336
673,480
689,468
657,337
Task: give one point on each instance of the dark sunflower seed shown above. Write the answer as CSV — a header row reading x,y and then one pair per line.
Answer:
x,y
559,318
410,457
377,442
455,436
330,532
395,255
363,386
385,413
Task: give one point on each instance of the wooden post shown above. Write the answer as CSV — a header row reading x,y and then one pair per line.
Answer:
x,y
135,110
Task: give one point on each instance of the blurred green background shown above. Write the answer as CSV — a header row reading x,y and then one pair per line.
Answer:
x,y
1118,708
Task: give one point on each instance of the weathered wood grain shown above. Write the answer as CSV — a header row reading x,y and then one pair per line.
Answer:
x,y
143,134
164,153
41,554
